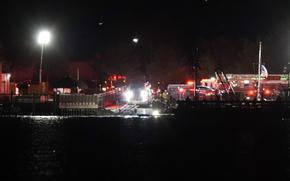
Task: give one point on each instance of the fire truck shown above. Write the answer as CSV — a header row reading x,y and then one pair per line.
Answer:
x,y
184,91
245,86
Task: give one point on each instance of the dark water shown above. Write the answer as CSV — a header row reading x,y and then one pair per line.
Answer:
x,y
169,147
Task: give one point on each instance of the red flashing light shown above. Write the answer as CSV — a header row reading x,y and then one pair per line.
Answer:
x,y
115,77
251,92
267,92
190,82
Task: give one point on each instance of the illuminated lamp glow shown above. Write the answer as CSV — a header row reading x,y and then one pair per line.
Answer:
x,y
180,89
66,90
135,40
128,94
44,37
104,89
210,94
267,91
8,77
17,91
251,92
212,78
155,113
246,81
144,95
190,82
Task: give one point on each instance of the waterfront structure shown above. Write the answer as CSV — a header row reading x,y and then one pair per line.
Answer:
x,y
5,86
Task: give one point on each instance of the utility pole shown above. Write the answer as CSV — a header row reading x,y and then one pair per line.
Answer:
x,y
288,88
40,66
78,74
259,72
195,67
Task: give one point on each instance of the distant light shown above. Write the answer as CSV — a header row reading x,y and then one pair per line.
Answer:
x,y
180,89
251,92
190,82
100,23
135,40
144,95
267,92
8,77
104,89
17,91
44,37
246,81
212,78
155,113
66,90
128,94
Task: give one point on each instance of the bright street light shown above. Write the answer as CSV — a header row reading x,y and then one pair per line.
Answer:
x,y
43,39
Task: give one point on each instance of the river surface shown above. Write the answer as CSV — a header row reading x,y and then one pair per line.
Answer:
x,y
140,148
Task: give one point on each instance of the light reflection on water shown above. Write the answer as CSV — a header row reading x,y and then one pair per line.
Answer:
x,y
47,119
57,146
44,147
44,155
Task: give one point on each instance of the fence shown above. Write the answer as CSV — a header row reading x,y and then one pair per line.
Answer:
x,y
82,101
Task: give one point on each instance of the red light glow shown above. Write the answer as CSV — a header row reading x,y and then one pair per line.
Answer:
x,y
267,91
190,82
251,92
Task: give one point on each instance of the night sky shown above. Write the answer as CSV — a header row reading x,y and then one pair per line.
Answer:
x,y
88,31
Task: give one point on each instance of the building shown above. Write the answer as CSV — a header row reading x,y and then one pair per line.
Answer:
x,y
5,86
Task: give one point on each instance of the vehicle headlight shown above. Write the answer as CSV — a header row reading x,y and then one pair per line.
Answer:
x,y
128,94
144,95
155,113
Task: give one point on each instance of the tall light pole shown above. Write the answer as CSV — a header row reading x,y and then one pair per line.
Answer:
x,y
43,39
195,68
259,72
